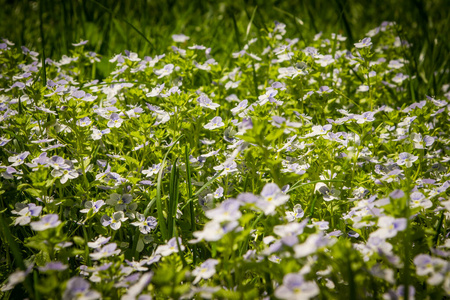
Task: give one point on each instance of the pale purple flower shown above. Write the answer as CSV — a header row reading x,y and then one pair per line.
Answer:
x,y
422,142
324,90
424,264
53,266
271,198
95,206
393,175
366,42
296,214
313,243
153,170
397,194
114,121
167,70
218,193
229,166
240,107
138,287
156,90
17,160
98,242
78,94
399,78
290,229
268,96
65,174
277,121
226,211
215,122
145,224
57,162
151,259
204,101
321,225
325,60
106,251
400,293
182,52
115,222
406,159
353,234
79,288
15,278
419,200
295,287
180,38
25,214
365,117
46,222
97,134
80,43
362,88
214,231
434,267
4,141
395,64
170,247
131,56
389,227
328,193
83,122
319,130
119,201
291,72
205,271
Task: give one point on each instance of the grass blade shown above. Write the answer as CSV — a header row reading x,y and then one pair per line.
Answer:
x,y
249,26
41,28
161,218
173,198
125,21
202,188
191,203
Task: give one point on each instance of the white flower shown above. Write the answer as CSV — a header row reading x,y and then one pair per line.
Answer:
x,y
65,174
366,42
296,288
46,222
167,70
206,270
204,101
105,251
216,122
180,38
170,247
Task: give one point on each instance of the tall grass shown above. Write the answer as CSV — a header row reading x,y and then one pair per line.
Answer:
x,y
146,26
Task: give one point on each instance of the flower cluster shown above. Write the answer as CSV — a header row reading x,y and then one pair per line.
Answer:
x,y
299,170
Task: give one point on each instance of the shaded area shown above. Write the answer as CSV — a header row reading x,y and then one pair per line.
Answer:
x,y
144,26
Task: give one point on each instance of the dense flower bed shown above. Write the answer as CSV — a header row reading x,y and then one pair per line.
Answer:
x,y
305,170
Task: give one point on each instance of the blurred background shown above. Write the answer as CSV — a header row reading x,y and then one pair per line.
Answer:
x,y
145,26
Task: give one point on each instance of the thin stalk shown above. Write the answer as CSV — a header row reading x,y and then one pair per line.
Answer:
x,y
173,200
407,242
16,253
438,230
191,204
161,218
125,21
41,27
201,189
295,186
183,260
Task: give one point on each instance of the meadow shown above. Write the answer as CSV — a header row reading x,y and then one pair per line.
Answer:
x,y
224,150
